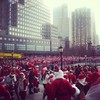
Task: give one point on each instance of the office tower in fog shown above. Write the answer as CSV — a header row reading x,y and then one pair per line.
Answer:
x,y
83,27
61,20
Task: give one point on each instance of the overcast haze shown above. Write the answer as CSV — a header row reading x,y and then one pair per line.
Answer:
x,y
73,4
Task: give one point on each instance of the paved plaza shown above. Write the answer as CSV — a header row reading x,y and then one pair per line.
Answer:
x,y
36,96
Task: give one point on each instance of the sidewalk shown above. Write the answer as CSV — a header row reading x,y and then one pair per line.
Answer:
x,y
36,96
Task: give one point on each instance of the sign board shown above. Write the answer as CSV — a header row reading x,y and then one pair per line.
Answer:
x,y
10,55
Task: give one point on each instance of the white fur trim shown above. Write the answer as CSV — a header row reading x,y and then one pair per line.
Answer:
x,y
45,68
77,91
59,74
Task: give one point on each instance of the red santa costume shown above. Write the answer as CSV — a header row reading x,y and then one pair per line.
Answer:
x,y
4,94
22,86
81,86
72,78
61,88
10,83
44,69
36,75
0,70
48,87
25,73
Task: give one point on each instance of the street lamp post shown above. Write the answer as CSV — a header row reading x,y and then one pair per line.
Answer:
x,y
61,51
12,58
85,59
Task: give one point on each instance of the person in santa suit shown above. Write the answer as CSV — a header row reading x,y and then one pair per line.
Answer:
x,y
31,79
0,70
45,78
72,78
22,86
61,88
44,70
4,93
10,81
5,71
80,84
36,76
77,70
94,91
48,87
25,73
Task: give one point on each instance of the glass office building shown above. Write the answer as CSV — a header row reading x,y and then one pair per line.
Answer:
x,y
21,25
26,18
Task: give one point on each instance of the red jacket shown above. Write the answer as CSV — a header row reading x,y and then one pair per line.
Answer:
x,y
4,94
48,91
61,90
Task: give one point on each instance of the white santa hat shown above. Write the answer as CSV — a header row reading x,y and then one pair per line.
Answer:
x,y
59,74
45,68
37,66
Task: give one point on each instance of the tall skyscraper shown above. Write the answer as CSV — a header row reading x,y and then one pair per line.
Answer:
x,y
83,27
21,25
61,20
26,18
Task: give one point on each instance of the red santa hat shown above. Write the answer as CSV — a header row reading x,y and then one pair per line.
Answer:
x,y
82,79
50,78
1,79
72,78
85,69
56,69
64,68
81,76
66,76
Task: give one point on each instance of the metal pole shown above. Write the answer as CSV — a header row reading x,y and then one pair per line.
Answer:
x,y
12,59
85,60
61,59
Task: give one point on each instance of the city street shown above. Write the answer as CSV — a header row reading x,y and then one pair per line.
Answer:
x,y
36,96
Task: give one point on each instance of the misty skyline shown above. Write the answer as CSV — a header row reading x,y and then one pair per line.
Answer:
x,y
72,5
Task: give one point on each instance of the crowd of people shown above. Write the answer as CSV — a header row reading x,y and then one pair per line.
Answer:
x,y
19,78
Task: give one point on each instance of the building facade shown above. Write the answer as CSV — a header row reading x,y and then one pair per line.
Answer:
x,y
21,25
83,27
50,32
61,20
